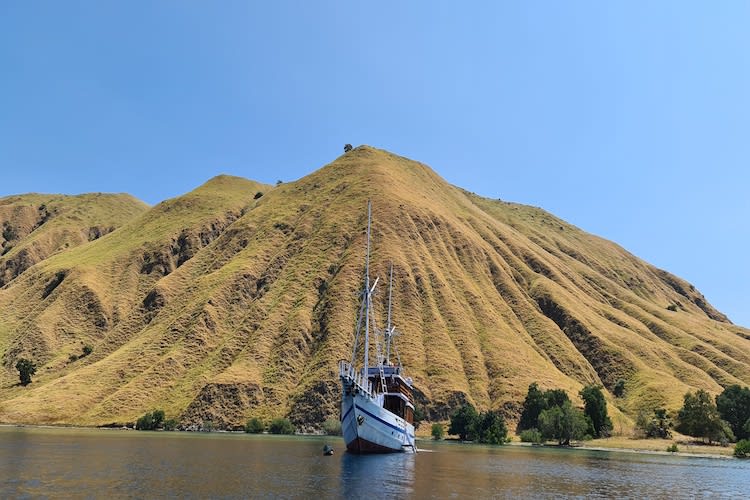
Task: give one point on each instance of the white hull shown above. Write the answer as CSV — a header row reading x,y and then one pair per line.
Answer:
x,y
368,427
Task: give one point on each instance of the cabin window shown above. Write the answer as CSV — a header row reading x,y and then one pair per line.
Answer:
x,y
395,405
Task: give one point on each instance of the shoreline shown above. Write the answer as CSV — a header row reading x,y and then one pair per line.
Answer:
x,y
636,446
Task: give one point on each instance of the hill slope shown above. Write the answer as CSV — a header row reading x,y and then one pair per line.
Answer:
x,y
35,226
223,304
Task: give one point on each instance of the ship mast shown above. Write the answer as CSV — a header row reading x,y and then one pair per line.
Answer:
x,y
367,293
389,329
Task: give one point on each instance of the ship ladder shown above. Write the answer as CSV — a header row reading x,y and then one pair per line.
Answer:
x,y
383,386
412,443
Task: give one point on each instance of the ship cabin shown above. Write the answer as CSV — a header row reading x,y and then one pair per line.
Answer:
x,y
397,395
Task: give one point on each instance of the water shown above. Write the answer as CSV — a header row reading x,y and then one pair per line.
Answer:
x,y
87,463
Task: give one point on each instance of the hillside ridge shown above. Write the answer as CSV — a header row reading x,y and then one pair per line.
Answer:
x,y
238,299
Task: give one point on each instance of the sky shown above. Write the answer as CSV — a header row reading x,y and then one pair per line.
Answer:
x,y
629,119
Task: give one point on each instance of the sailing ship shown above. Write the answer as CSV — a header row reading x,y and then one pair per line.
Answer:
x,y
377,409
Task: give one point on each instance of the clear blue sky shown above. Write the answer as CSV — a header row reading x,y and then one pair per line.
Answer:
x,y
628,119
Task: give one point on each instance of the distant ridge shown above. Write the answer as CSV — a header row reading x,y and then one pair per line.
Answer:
x,y
238,299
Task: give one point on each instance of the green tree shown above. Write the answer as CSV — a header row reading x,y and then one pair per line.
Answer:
x,y
463,422
556,397
170,425
437,432
26,368
254,426
595,408
281,426
562,423
491,428
533,405
733,405
699,417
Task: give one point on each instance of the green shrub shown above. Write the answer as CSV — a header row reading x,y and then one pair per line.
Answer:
x,y
207,426
150,421
170,425
26,368
438,432
73,357
619,388
671,307
531,436
656,426
281,426
672,448
254,426
418,416
332,427
145,423
742,449
87,349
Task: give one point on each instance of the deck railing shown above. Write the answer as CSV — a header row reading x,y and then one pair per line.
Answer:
x,y
346,370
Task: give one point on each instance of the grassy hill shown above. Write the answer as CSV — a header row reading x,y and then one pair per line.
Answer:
x,y
238,300
35,226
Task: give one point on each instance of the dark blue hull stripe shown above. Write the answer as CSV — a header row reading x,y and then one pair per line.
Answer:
x,y
380,420
347,412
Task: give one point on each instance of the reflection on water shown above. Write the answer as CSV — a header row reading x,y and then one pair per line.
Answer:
x,y
381,476
96,463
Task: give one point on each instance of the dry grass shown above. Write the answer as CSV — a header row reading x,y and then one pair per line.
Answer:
x,y
684,445
250,316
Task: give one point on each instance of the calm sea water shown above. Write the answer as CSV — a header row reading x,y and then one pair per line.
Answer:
x,y
81,463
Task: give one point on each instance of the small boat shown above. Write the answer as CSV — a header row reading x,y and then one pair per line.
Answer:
x,y
377,409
